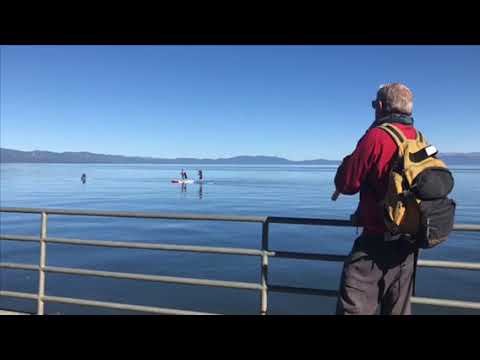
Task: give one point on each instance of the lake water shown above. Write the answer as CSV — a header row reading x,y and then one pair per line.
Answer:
x,y
296,191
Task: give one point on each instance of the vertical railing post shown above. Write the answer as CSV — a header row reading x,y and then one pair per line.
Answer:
x,y
264,267
41,270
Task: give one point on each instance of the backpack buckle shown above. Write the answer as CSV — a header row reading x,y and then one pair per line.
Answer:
x,y
388,236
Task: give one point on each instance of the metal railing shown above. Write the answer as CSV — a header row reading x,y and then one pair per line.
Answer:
x,y
264,287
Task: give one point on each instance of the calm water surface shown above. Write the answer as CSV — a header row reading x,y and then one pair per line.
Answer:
x,y
297,191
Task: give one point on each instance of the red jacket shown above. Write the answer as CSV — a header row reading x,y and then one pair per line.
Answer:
x,y
366,170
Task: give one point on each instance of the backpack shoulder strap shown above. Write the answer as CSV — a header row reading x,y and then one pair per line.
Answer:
x,y
421,138
394,132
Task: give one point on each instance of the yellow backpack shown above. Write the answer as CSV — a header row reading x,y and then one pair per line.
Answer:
x,y
416,204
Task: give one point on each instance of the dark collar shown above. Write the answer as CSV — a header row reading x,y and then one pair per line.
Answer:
x,y
395,118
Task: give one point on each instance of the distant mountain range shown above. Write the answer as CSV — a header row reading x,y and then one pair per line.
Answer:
x,y
17,156
472,158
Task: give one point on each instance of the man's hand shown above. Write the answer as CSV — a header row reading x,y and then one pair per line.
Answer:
x,y
335,195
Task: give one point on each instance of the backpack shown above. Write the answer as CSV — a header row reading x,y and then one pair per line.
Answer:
x,y
416,205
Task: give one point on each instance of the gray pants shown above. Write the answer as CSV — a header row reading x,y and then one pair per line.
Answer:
x,y
377,274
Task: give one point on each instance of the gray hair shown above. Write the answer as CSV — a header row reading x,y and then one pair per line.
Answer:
x,y
397,98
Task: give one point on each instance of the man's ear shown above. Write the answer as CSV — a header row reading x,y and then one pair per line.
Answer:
x,y
380,106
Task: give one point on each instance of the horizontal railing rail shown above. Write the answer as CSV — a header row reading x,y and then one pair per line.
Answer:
x,y
264,253
140,215
136,245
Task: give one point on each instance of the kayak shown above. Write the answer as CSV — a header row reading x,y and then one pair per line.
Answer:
x,y
178,181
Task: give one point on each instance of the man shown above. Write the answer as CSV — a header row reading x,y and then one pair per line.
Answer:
x,y
377,273
200,175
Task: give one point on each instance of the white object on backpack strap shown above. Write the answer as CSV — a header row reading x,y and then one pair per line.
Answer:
x,y
431,150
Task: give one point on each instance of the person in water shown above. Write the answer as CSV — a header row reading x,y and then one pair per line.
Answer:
x,y
200,175
83,178
184,174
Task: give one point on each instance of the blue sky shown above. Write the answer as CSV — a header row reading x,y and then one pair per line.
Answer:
x,y
298,102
